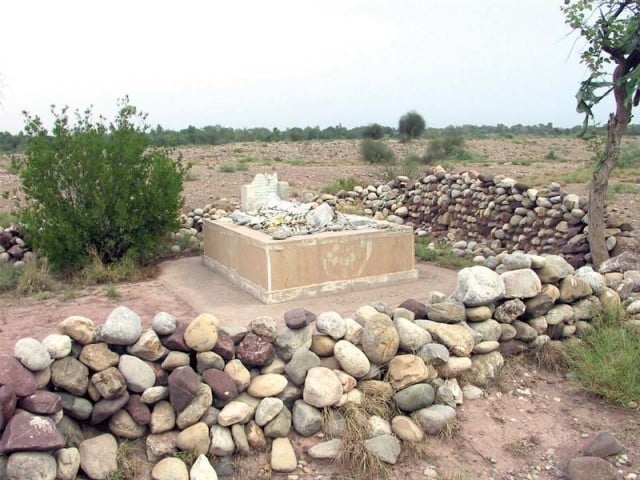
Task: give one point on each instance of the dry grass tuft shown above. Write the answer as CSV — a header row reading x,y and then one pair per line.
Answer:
x,y
126,467
354,458
450,430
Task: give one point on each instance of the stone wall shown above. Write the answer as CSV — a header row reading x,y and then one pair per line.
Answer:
x,y
486,215
199,387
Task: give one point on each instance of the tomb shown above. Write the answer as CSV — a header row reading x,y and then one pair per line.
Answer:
x,y
278,250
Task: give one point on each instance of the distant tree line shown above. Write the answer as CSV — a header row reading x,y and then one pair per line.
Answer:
x,y
217,135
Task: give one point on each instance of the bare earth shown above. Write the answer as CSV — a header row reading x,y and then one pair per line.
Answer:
x,y
527,427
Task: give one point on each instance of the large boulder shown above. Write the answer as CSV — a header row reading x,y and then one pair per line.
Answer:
x,y
478,286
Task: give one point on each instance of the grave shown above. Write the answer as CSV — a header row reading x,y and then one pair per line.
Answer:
x,y
346,253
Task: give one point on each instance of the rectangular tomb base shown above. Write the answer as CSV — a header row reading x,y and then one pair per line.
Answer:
x,y
276,271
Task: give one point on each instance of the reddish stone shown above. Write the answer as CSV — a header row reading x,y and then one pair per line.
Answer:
x,y
222,385
225,346
299,318
41,402
255,351
7,404
15,375
183,386
175,341
419,309
138,410
105,408
30,432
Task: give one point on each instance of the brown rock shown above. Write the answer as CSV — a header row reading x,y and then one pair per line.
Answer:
x,y
380,340
26,432
81,329
603,445
298,318
225,346
513,347
592,468
105,408
110,383
42,402
183,386
138,410
7,404
98,356
222,385
175,341
16,376
419,309
255,351
70,375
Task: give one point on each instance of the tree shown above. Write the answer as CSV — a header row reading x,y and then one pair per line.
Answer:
x,y
374,130
611,29
97,187
411,125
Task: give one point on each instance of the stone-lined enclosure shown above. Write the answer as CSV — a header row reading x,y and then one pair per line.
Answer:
x,y
215,391
481,215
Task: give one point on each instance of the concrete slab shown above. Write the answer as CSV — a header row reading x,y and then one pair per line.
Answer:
x,y
276,271
207,291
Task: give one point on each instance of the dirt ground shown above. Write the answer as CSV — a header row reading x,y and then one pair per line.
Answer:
x,y
526,427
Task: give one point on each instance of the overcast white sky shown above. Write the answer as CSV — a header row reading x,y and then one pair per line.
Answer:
x,y
286,63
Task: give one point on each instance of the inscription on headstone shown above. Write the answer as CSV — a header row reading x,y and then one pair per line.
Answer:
x,y
265,187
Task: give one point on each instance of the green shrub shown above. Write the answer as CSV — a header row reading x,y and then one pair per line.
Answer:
x,y
35,277
93,185
629,156
376,152
345,184
7,218
411,125
606,361
411,166
375,131
441,253
442,148
226,168
9,276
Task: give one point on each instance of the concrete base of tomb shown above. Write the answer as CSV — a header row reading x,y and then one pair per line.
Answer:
x,y
276,271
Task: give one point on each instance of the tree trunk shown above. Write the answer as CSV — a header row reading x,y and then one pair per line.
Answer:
x,y
598,192
616,127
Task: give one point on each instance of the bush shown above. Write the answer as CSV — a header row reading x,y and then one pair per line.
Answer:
x,y
375,131
606,361
376,152
346,184
96,186
411,125
629,156
441,148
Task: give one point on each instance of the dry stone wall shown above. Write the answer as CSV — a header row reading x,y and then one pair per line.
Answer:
x,y
485,215
192,385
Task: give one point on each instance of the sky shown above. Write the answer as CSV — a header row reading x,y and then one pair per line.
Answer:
x,y
288,63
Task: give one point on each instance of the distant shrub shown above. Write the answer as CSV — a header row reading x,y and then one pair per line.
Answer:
x,y
97,185
411,125
441,148
345,184
375,131
376,152
629,156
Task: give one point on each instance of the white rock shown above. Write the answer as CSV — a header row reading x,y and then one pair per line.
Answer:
x,y
32,354
58,346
